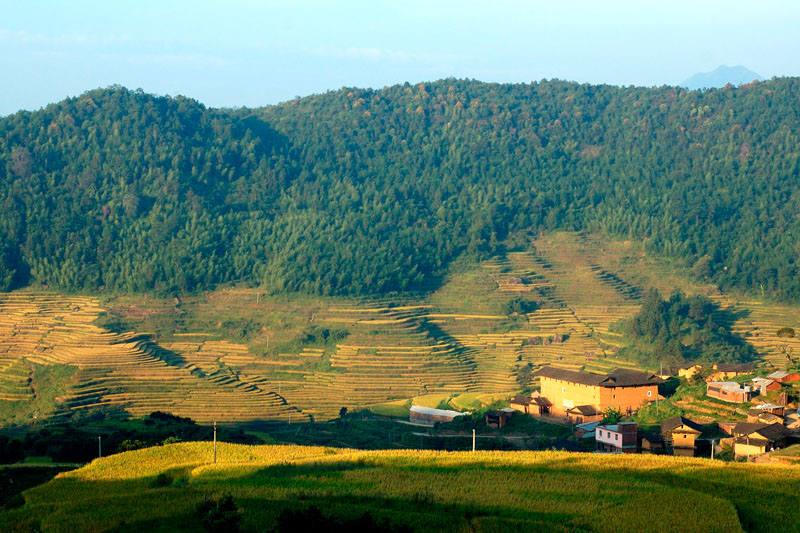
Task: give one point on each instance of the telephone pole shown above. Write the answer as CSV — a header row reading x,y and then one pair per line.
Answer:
x,y
215,442
99,446
473,439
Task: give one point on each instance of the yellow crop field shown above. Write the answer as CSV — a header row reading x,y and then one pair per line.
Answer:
x,y
424,490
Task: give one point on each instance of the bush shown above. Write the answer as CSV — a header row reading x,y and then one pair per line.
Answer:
x,y
786,332
219,515
162,480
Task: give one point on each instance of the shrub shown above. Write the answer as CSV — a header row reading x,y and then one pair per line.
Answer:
x,y
786,332
220,514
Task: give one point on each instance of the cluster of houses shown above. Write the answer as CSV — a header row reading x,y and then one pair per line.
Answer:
x,y
583,399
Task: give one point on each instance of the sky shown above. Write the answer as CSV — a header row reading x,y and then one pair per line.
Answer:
x,y
252,53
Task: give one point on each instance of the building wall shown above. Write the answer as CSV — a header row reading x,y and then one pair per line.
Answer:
x,y
727,395
683,440
740,449
521,408
625,398
565,394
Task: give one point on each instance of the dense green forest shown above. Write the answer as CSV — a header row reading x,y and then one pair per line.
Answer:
x,y
368,191
682,328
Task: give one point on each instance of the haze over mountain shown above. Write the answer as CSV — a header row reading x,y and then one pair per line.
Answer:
x,y
360,191
720,77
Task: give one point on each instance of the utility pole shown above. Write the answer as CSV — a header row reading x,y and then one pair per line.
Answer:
x,y
713,445
748,448
99,447
215,442
473,439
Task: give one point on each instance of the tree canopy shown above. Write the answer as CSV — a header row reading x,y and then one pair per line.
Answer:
x,y
363,191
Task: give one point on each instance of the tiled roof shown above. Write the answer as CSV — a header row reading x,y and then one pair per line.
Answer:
x,y
678,421
617,378
521,399
585,410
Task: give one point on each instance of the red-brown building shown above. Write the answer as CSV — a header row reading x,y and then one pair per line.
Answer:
x,y
729,391
783,376
765,385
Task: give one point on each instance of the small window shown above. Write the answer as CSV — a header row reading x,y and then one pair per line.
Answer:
x,y
649,393
616,437
563,389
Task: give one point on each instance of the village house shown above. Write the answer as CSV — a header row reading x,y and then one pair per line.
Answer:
x,y
729,391
783,376
751,439
617,438
584,397
690,370
652,443
757,415
723,371
429,415
680,434
531,405
792,419
765,385
497,419
584,413
586,430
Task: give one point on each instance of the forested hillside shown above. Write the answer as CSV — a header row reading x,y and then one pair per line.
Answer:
x,y
363,192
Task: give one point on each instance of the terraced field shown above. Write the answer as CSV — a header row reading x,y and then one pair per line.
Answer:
x,y
301,358
123,372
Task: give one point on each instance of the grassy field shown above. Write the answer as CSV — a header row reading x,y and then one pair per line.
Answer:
x,y
236,355
158,489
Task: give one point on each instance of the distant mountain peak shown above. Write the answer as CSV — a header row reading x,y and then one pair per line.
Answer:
x,y
720,77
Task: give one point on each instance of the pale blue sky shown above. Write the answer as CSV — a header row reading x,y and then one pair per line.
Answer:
x,y
251,53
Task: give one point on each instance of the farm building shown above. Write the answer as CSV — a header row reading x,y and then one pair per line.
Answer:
x,y
429,415
724,371
690,370
584,413
680,434
765,385
757,415
618,438
586,430
758,438
652,443
497,419
530,405
783,376
729,391
521,403
583,396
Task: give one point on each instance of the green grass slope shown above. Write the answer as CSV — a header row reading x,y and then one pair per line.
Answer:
x,y
158,489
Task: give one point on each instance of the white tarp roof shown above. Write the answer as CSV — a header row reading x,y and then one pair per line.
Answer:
x,y
437,412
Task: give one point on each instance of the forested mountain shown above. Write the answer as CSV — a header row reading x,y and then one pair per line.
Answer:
x,y
362,192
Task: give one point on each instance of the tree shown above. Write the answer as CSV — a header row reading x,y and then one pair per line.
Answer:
x,y
525,375
219,515
611,416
